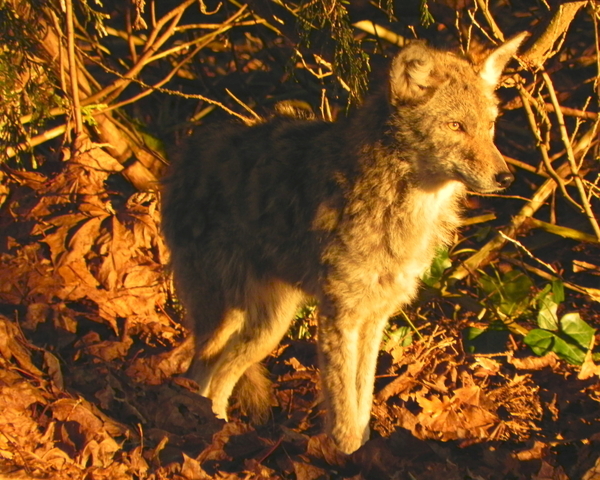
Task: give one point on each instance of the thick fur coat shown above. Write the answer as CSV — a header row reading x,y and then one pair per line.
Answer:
x,y
350,213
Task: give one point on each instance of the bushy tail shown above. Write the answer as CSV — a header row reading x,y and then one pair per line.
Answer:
x,y
254,392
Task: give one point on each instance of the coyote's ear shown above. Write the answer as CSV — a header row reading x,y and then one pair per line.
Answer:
x,y
494,64
411,75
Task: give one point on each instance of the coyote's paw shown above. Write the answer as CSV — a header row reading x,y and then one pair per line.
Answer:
x,y
348,444
348,441
219,408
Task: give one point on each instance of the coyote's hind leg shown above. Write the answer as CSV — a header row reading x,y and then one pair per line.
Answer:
x,y
270,308
210,347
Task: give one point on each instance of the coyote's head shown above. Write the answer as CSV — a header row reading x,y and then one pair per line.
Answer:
x,y
444,109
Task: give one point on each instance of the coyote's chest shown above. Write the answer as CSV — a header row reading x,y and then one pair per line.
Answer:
x,y
423,221
427,221
388,250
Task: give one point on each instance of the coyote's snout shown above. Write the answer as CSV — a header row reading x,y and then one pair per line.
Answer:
x,y
350,213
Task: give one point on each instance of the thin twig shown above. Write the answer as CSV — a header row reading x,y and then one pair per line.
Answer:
x,y
206,39
246,107
168,91
486,253
483,5
157,87
524,166
130,37
548,43
564,232
570,155
542,145
158,25
593,293
529,254
61,59
572,112
381,32
153,44
37,140
73,69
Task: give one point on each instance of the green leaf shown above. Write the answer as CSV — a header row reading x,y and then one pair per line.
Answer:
x,y
511,293
540,341
402,336
572,325
440,264
547,317
471,333
517,288
571,352
558,290
543,342
482,233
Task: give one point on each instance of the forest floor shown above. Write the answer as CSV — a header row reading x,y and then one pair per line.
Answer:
x,y
439,414
85,395
92,349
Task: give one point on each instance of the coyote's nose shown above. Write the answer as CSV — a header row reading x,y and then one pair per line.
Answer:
x,y
504,179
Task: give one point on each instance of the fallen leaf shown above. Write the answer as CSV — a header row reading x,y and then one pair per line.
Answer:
x,y
534,363
54,370
588,367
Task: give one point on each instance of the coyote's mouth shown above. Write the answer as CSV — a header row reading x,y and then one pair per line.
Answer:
x,y
475,185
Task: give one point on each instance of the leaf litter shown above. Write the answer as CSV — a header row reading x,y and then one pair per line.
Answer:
x,y
91,351
90,357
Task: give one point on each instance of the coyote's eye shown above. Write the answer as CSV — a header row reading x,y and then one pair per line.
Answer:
x,y
455,126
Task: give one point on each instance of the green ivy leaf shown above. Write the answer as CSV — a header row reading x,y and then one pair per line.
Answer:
x,y
540,341
402,336
547,317
511,293
440,264
572,325
517,288
544,341
558,290
571,352
471,333
490,340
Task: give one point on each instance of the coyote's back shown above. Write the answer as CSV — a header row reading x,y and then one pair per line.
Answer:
x,y
261,218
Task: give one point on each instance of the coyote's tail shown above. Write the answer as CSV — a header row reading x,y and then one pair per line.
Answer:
x,y
254,392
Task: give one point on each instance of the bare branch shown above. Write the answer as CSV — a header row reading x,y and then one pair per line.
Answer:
x,y
73,69
545,45
571,156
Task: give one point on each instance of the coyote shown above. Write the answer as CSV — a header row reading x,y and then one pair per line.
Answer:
x,y
261,218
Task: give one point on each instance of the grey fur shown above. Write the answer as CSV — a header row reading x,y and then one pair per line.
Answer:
x,y
261,218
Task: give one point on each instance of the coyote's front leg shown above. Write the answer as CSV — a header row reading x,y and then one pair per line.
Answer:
x,y
338,357
370,335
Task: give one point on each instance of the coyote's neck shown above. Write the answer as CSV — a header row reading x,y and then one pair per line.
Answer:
x,y
433,207
425,220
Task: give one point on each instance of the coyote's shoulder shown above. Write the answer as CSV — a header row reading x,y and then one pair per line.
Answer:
x,y
259,218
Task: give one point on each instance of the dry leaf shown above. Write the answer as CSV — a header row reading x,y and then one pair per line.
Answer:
x,y
588,367
54,370
534,363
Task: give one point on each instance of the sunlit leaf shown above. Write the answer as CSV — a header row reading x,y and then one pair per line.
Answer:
x,y
440,264
572,325
402,336
510,293
543,342
516,289
568,351
482,233
558,290
547,317
540,341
